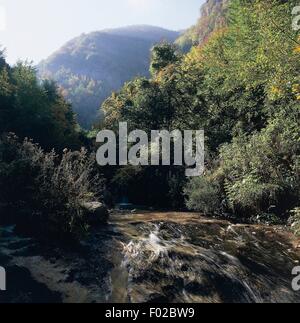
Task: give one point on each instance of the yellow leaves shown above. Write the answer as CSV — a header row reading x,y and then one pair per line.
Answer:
x,y
296,91
276,92
166,73
195,56
297,49
200,55
279,91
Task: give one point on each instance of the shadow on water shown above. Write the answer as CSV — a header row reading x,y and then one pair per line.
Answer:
x,y
39,273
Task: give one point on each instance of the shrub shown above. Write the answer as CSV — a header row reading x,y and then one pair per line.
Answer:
x,y
262,171
203,195
256,174
48,189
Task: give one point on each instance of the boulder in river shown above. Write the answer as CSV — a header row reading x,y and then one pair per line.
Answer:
x,y
96,213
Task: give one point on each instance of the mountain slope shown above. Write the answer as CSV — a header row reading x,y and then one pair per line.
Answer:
x,y
212,16
93,65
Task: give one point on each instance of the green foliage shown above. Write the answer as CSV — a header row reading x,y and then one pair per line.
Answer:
x,y
256,49
35,110
162,55
260,173
83,92
251,66
241,85
46,191
203,196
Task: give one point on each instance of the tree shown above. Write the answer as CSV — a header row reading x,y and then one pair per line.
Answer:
x,y
35,110
163,55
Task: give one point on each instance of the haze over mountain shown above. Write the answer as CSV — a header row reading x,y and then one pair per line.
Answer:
x,y
93,65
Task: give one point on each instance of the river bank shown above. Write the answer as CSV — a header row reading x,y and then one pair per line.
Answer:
x,y
155,257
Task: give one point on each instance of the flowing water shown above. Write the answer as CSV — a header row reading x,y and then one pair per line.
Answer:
x,y
167,257
180,257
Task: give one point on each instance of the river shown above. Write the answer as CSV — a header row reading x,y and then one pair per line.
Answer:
x,y
156,257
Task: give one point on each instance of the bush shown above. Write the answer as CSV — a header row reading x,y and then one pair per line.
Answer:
x,y
48,189
257,174
203,195
262,171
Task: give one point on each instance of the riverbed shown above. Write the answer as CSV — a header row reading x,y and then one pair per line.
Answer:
x,y
155,257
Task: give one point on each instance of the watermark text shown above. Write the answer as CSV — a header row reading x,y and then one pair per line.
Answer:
x,y
296,280
165,148
2,279
296,18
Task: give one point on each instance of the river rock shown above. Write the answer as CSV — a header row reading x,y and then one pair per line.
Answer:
x,y
96,213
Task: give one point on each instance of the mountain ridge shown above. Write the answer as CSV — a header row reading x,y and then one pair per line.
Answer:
x,y
90,66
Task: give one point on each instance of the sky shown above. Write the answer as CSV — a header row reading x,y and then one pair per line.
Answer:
x,y
34,29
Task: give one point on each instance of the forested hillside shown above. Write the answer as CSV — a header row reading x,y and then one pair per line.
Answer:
x,y
212,16
242,87
93,65
33,110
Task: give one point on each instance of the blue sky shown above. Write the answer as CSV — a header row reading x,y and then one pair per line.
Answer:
x,y
33,29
